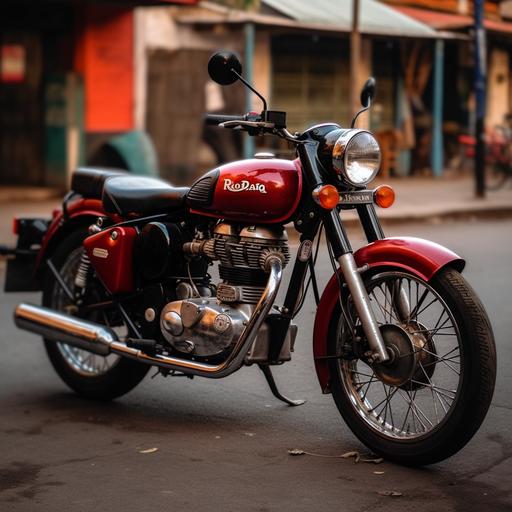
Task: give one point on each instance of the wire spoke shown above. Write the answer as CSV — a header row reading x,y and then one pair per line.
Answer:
x,y
412,409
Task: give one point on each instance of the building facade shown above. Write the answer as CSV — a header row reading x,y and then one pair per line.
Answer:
x,y
67,86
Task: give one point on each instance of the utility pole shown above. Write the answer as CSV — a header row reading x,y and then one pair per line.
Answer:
x,y
355,58
249,145
479,86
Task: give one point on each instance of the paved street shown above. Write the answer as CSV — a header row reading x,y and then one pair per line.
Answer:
x,y
222,445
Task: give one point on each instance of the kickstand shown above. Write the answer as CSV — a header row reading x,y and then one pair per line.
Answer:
x,y
273,387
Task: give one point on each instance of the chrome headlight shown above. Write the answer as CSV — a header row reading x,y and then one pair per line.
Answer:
x,y
356,157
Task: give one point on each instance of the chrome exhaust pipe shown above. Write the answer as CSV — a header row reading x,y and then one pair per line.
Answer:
x,y
56,326
101,340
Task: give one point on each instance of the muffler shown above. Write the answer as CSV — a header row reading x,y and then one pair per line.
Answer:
x,y
102,340
56,326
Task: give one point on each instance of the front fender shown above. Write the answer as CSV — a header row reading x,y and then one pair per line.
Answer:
x,y
420,257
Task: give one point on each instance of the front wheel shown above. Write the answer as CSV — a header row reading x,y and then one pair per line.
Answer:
x,y
429,400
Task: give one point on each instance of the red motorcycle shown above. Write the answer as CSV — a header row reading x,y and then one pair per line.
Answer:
x,y
400,340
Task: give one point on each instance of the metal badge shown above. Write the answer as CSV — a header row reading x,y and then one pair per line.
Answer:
x,y
357,197
305,250
100,253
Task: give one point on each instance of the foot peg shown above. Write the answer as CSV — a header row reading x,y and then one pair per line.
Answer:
x,y
273,387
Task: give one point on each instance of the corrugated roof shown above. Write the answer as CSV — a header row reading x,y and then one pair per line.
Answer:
x,y
447,21
375,17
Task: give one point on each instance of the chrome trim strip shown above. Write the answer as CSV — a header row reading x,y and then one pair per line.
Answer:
x,y
101,340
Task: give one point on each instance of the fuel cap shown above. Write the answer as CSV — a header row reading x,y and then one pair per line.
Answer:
x,y
264,155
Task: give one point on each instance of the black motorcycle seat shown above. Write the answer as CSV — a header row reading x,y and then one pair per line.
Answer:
x,y
89,181
141,195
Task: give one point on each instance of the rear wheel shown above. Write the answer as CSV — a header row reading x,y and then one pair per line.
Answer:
x,y
496,176
428,401
88,374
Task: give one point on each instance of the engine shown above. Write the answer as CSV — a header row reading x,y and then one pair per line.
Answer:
x,y
206,326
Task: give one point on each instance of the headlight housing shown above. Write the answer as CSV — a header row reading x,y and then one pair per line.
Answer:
x,y
356,157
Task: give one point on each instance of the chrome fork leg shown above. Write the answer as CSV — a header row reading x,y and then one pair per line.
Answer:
x,y
363,307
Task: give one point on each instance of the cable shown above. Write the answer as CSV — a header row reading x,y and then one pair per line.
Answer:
x,y
303,296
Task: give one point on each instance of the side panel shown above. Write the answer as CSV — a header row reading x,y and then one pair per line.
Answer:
x,y
421,257
111,254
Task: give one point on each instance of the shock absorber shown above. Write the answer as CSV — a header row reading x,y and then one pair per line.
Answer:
x,y
82,274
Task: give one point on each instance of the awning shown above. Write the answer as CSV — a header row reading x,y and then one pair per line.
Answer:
x,y
375,18
446,21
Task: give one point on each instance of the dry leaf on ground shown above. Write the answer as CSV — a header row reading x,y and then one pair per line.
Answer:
x,y
349,455
149,450
373,461
392,494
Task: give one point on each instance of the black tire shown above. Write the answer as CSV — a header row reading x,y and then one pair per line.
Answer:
x,y
474,394
121,378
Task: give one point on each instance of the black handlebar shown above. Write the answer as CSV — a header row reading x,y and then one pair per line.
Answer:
x,y
216,119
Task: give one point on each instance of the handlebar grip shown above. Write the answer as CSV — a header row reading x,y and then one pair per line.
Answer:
x,y
216,119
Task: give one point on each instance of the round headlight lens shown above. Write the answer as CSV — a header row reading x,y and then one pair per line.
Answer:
x,y
356,157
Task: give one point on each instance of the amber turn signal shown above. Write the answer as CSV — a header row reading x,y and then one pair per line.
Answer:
x,y
327,196
384,196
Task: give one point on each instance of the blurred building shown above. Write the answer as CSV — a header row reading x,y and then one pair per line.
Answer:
x,y
456,16
68,83
297,54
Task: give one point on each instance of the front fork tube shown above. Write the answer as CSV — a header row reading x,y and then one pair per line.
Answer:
x,y
373,232
343,253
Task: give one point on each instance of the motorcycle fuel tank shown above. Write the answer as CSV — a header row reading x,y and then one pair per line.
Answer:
x,y
260,190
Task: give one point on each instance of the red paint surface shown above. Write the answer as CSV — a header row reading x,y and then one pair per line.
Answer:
x,y
115,266
86,208
282,182
421,257
104,57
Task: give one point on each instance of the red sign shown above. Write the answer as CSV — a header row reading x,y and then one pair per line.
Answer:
x,y
12,63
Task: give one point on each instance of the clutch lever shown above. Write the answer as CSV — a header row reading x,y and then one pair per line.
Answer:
x,y
258,125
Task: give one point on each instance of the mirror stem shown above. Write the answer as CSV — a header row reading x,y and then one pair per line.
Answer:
x,y
247,84
358,114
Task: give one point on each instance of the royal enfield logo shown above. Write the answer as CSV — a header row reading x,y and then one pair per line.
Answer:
x,y
243,186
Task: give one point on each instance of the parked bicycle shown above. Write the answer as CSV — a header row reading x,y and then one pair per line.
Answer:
x,y
498,155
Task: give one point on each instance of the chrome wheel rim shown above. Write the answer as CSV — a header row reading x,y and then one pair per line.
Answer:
x,y
418,407
81,361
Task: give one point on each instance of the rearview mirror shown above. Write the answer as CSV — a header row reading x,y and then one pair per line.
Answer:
x,y
368,92
224,67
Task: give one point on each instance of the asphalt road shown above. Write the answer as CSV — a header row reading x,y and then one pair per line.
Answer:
x,y
223,445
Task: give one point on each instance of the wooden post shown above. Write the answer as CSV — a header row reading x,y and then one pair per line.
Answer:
x,y
436,154
480,77
249,146
355,58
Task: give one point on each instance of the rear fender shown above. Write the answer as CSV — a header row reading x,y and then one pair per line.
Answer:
x,y
80,213
420,257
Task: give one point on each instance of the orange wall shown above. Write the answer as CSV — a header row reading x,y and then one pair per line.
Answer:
x,y
104,57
